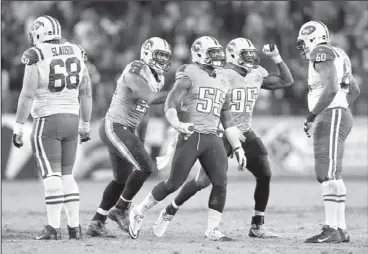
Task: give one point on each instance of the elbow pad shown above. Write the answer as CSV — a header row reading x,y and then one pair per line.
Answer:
x,y
232,135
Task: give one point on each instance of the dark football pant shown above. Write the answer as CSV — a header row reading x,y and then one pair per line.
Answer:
x,y
331,128
209,150
126,150
130,161
54,141
257,164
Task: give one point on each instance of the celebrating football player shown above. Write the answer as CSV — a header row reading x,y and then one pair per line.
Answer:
x,y
246,79
202,95
138,87
332,90
55,78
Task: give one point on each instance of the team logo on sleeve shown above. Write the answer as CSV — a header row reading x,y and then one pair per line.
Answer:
x,y
257,78
308,30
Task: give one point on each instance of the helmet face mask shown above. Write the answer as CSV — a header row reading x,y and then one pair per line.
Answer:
x,y
215,57
207,50
157,54
302,49
242,53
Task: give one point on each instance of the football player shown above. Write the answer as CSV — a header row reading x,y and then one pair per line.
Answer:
x,y
137,88
202,94
246,79
332,90
56,88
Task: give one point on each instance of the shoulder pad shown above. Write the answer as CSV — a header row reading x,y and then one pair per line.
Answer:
x,y
262,72
182,72
83,53
136,67
32,56
322,53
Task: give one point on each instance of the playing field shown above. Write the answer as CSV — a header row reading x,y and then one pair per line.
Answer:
x,y
295,211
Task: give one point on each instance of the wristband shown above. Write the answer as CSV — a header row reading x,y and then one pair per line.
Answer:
x,y
18,128
172,116
84,125
277,59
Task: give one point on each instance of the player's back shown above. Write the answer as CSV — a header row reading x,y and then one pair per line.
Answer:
x,y
205,98
60,68
244,94
124,108
342,64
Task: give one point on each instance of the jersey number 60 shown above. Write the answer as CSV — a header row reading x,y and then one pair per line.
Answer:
x,y
57,69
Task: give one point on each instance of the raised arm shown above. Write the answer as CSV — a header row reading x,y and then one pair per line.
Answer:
x,y
141,90
283,78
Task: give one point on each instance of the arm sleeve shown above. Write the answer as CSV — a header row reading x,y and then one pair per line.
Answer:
x,y
32,56
322,53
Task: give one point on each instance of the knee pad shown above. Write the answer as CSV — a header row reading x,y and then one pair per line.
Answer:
x,y
69,184
259,166
53,186
202,183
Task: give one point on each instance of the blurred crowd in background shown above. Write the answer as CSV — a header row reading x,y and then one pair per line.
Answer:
x,y
113,32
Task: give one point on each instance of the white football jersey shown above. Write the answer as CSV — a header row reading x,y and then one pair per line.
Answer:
x,y
343,67
60,68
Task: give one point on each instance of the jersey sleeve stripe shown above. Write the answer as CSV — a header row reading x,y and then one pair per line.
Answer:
x,y
52,24
39,53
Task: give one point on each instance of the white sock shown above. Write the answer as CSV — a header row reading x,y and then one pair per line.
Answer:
x,y
259,213
147,203
102,211
341,189
71,200
174,204
329,193
54,197
214,219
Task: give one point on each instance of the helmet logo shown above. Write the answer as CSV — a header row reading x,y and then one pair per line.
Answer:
x,y
308,30
231,47
36,25
148,45
197,46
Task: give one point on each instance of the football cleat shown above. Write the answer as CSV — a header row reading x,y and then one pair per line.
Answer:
x,y
49,233
328,235
261,232
162,222
97,228
75,233
135,224
120,217
345,237
216,235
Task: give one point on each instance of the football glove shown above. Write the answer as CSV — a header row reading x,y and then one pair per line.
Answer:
x,y
240,157
84,132
272,51
185,128
18,135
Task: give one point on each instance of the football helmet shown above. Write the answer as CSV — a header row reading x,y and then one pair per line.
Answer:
x,y
156,53
45,28
208,51
310,35
241,52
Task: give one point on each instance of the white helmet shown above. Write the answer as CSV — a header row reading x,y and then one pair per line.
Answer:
x,y
45,28
310,35
156,53
241,52
208,51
